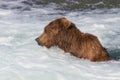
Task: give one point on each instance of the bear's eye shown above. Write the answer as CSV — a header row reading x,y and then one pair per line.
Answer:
x,y
47,31
52,27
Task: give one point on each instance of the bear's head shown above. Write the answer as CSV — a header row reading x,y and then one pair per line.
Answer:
x,y
56,33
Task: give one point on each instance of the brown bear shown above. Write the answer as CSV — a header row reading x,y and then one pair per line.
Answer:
x,y
64,34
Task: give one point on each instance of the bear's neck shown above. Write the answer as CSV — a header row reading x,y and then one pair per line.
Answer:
x,y
68,39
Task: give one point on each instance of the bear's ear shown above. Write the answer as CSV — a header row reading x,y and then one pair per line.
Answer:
x,y
72,25
66,23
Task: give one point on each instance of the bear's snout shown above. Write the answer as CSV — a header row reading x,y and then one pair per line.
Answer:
x,y
38,41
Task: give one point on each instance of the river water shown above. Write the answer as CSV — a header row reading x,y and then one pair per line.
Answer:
x,y
22,59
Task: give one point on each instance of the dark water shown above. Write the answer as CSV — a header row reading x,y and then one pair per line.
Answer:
x,y
77,4
64,4
114,54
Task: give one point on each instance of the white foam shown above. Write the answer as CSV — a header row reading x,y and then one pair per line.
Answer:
x,y
115,19
6,41
5,12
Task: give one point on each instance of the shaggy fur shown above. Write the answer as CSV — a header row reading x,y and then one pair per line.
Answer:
x,y
64,34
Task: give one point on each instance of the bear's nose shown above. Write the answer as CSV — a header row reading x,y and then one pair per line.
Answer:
x,y
39,42
37,39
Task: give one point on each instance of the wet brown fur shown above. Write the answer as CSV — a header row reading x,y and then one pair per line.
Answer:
x,y
64,34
